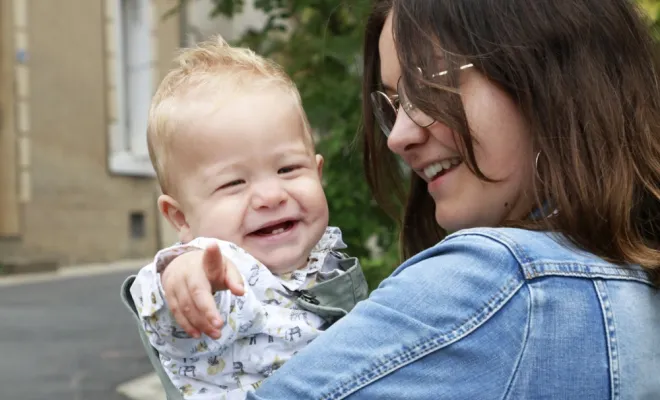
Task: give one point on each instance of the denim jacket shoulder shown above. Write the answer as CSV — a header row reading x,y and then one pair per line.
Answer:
x,y
544,254
489,314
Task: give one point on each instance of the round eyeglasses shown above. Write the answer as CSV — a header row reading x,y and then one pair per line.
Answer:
x,y
386,107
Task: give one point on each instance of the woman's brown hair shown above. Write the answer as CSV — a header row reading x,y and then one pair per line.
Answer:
x,y
584,74
384,174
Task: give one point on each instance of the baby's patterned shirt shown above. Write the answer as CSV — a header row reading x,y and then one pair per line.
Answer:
x,y
262,329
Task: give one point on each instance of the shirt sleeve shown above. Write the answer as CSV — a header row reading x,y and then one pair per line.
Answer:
x,y
448,324
242,315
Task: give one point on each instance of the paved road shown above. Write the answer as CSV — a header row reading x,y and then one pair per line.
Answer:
x,y
68,339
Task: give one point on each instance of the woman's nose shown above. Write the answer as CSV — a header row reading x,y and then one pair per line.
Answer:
x,y
405,134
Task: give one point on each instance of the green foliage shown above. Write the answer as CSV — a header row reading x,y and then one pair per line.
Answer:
x,y
319,44
652,10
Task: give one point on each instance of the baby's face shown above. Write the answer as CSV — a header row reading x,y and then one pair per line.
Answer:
x,y
248,174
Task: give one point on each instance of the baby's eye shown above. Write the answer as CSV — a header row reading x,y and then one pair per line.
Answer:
x,y
231,184
288,169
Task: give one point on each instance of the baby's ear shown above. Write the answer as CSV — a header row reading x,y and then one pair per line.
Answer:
x,y
319,165
171,210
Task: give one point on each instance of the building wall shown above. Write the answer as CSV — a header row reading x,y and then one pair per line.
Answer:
x,y
9,206
200,26
73,207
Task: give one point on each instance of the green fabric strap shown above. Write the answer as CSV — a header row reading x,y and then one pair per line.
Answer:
x,y
334,298
171,391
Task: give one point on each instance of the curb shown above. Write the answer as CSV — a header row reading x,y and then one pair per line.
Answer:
x,y
146,387
32,265
74,271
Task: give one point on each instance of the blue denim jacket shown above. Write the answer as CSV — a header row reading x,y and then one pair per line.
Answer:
x,y
489,314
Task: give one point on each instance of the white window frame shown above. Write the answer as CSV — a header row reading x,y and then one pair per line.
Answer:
x,y
122,159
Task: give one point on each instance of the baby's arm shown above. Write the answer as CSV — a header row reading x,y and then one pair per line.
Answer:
x,y
182,355
190,274
151,296
194,272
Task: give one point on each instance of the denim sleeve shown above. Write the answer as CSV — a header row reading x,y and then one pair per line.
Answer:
x,y
451,323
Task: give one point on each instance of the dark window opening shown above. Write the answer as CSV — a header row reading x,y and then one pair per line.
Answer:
x,y
137,225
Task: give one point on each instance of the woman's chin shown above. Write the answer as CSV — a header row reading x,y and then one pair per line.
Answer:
x,y
452,221
449,221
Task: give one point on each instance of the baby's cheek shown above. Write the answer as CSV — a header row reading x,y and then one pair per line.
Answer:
x,y
319,200
221,218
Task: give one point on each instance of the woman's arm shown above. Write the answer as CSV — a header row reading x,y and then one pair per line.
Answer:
x,y
450,323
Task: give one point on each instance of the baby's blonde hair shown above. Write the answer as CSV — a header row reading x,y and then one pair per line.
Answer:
x,y
208,69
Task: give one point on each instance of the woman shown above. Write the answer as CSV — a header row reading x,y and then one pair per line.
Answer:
x,y
531,129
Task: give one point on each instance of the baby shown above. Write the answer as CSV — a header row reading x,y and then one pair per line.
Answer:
x,y
235,160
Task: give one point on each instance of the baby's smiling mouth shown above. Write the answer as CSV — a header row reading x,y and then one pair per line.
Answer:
x,y
275,228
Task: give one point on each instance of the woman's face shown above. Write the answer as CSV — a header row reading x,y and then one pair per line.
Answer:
x,y
502,146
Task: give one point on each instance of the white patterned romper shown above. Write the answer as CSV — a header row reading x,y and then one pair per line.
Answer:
x,y
262,329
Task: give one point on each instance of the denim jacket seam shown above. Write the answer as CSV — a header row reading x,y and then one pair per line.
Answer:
x,y
533,268
519,359
427,346
532,271
558,264
572,264
610,335
517,251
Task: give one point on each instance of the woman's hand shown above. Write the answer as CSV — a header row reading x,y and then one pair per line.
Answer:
x,y
189,283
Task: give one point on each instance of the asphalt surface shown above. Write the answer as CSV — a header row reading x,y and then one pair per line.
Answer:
x,y
67,339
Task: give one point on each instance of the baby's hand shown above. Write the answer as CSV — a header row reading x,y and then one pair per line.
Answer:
x,y
189,282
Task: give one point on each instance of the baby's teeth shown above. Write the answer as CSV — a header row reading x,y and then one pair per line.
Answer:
x,y
276,231
446,164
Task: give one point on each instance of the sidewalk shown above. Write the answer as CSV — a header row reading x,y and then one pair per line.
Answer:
x,y
73,271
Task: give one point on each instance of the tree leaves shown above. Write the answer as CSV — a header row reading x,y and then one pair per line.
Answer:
x,y
652,11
